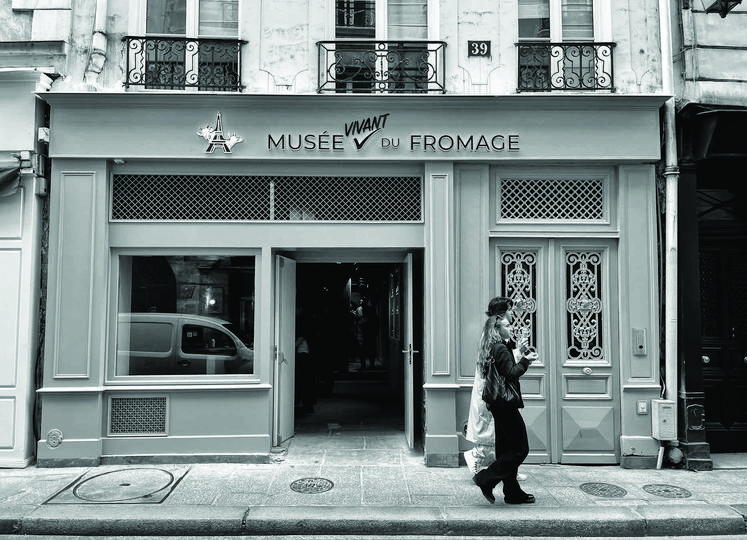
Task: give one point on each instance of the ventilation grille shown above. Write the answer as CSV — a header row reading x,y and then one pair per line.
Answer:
x,y
266,198
137,416
565,200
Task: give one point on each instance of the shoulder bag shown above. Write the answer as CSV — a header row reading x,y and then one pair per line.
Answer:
x,y
497,391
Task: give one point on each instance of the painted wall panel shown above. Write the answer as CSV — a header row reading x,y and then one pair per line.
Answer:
x,y
10,289
11,216
75,274
729,64
472,264
440,295
8,429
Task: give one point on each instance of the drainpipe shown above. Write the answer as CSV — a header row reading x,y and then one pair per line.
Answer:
x,y
97,54
671,176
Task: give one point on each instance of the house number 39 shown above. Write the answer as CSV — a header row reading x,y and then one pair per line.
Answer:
x,y
478,48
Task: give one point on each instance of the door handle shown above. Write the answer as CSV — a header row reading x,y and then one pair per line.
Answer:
x,y
409,352
185,363
586,371
707,359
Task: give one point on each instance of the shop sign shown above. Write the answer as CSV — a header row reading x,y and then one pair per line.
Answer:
x,y
215,138
358,134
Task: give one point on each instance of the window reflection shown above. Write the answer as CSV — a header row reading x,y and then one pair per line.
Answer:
x,y
185,315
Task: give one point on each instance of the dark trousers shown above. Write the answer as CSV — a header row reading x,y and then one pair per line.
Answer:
x,y
511,449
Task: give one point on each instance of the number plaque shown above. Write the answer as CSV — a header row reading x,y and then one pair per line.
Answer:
x,y
478,48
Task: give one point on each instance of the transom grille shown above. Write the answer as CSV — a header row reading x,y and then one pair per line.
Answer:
x,y
137,415
266,198
555,200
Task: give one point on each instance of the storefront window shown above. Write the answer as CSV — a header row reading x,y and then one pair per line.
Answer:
x,y
185,315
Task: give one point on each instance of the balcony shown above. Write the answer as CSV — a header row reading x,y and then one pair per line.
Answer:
x,y
176,63
370,66
545,66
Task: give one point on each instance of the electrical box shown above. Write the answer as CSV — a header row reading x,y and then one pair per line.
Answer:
x,y
662,420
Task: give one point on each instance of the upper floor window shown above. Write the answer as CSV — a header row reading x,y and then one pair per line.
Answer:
x,y
188,43
382,19
192,18
560,48
556,20
381,46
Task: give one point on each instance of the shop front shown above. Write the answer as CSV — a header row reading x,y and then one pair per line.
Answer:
x,y
194,237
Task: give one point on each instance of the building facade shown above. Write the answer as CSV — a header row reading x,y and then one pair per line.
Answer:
x,y
33,41
711,88
214,162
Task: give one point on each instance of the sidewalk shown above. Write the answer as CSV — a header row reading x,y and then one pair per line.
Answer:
x,y
374,486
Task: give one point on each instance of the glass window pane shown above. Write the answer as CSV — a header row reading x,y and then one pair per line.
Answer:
x,y
534,19
166,17
219,18
578,20
185,315
355,19
407,19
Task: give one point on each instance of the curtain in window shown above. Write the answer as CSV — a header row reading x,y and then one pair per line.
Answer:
x,y
355,19
407,19
578,20
219,18
534,19
166,17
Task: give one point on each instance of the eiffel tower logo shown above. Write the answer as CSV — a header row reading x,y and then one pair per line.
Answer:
x,y
215,138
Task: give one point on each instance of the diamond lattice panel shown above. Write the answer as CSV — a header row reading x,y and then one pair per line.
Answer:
x,y
138,415
266,198
549,200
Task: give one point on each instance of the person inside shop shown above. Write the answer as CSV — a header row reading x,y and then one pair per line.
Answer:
x,y
369,323
502,394
305,370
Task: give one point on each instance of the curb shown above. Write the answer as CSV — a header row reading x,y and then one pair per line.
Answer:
x,y
200,520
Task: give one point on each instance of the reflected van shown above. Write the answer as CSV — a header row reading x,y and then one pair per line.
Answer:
x,y
180,344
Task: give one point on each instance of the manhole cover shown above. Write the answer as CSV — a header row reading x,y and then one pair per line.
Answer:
x,y
312,485
667,491
603,490
123,485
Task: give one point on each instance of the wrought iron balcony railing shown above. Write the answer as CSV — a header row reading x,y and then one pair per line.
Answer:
x,y
176,63
371,66
545,66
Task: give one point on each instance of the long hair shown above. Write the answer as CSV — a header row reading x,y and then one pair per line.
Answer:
x,y
488,339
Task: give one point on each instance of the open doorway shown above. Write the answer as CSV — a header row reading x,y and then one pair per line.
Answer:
x,y
350,364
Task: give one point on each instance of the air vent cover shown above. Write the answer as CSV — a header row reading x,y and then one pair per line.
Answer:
x,y
137,415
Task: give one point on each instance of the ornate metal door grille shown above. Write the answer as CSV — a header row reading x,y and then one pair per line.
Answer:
x,y
137,415
584,306
266,198
519,269
552,200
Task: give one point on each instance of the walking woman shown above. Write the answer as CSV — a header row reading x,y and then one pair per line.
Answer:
x,y
502,394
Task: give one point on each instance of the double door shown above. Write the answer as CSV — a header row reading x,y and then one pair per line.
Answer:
x,y
565,294
723,296
285,336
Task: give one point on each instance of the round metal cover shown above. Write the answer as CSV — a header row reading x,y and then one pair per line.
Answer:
x,y
311,485
667,491
123,485
600,489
